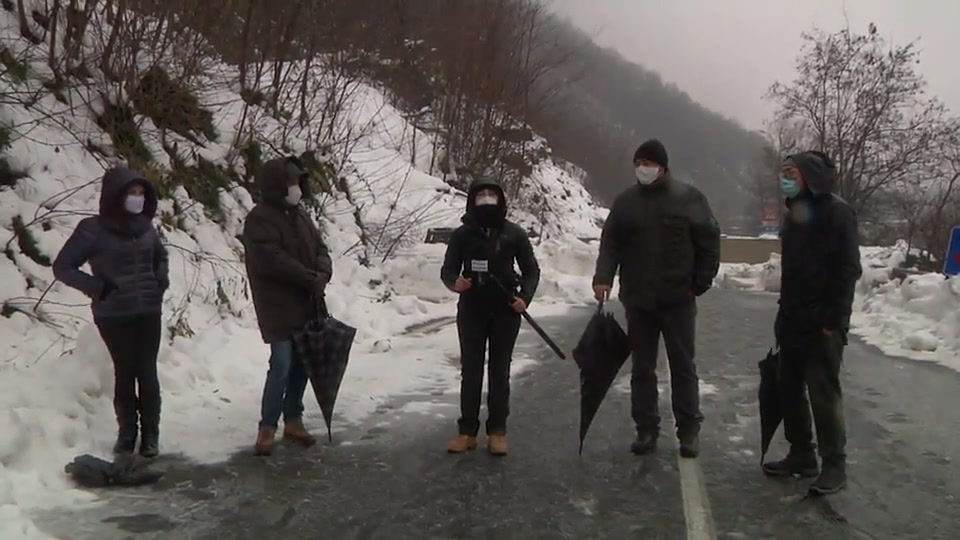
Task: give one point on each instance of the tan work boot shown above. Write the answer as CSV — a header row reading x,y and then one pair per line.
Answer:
x,y
265,440
295,431
461,443
497,444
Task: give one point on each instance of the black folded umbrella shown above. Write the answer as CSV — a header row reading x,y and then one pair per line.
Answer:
x,y
768,398
324,348
601,352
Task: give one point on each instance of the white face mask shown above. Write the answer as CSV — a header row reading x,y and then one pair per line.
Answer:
x,y
294,194
486,200
134,203
646,175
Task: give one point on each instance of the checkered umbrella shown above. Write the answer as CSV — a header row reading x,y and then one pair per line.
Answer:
x,y
324,347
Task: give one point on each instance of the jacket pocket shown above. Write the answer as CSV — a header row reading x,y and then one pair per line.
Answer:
x,y
676,250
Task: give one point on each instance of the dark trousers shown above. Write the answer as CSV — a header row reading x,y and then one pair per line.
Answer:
x,y
133,343
478,326
813,364
677,325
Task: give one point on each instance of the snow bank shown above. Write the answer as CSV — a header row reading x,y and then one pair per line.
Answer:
x,y
916,317
56,380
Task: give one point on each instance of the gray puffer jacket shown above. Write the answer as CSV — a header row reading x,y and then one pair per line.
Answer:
x,y
128,263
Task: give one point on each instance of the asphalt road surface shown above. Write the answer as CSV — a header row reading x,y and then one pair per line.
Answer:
x,y
391,478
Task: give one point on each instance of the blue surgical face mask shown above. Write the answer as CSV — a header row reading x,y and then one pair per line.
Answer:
x,y
789,187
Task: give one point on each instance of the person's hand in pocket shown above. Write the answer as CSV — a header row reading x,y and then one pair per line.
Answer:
x,y
107,289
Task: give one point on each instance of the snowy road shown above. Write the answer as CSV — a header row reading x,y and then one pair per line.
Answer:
x,y
392,479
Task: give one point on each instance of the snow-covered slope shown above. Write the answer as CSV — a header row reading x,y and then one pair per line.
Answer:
x,y
55,376
916,316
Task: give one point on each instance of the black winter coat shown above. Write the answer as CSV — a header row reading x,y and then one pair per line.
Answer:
x,y
492,251
820,265
285,254
664,240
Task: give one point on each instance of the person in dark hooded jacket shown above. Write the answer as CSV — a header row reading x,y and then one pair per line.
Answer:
x,y
288,265
128,277
479,266
820,268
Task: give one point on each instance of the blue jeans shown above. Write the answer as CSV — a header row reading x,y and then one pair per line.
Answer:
x,y
285,386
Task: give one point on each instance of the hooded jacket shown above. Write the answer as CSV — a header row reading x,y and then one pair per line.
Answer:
x,y
129,269
483,254
665,242
820,254
285,254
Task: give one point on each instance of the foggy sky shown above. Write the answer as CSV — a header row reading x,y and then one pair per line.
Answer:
x,y
726,53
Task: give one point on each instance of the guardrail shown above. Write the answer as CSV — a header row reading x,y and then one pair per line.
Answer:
x,y
748,250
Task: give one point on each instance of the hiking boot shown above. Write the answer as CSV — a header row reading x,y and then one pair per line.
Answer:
x,y
645,443
799,462
832,479
497,444
126,443
265,440
295,431
461,443
690,445
150,446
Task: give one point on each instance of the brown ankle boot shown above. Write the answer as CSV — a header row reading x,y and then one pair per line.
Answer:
x,y
265,440
461,443
497,444
295,431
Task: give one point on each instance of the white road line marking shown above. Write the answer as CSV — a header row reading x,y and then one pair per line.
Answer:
x,y
696,504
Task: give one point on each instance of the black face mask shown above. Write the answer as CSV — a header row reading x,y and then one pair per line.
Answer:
x,y
488,216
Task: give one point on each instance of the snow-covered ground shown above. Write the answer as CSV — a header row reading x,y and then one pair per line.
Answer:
x,y
917,317
56,379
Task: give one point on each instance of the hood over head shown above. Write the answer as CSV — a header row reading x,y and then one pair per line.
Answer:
x,y
818,170
116,182
485,182
272,179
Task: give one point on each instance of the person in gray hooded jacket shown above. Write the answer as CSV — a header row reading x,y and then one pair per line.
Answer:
x,y
127,279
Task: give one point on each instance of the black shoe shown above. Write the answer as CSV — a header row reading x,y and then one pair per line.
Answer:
x,y
126,443
832,479
690,445
150,446
799,462
644,444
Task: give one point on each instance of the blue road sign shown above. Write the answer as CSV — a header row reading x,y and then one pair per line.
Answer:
x,y
951,263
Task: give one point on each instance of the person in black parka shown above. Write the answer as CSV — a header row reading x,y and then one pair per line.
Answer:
x,y
288,266
820,268
479,266
662,238
128,277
